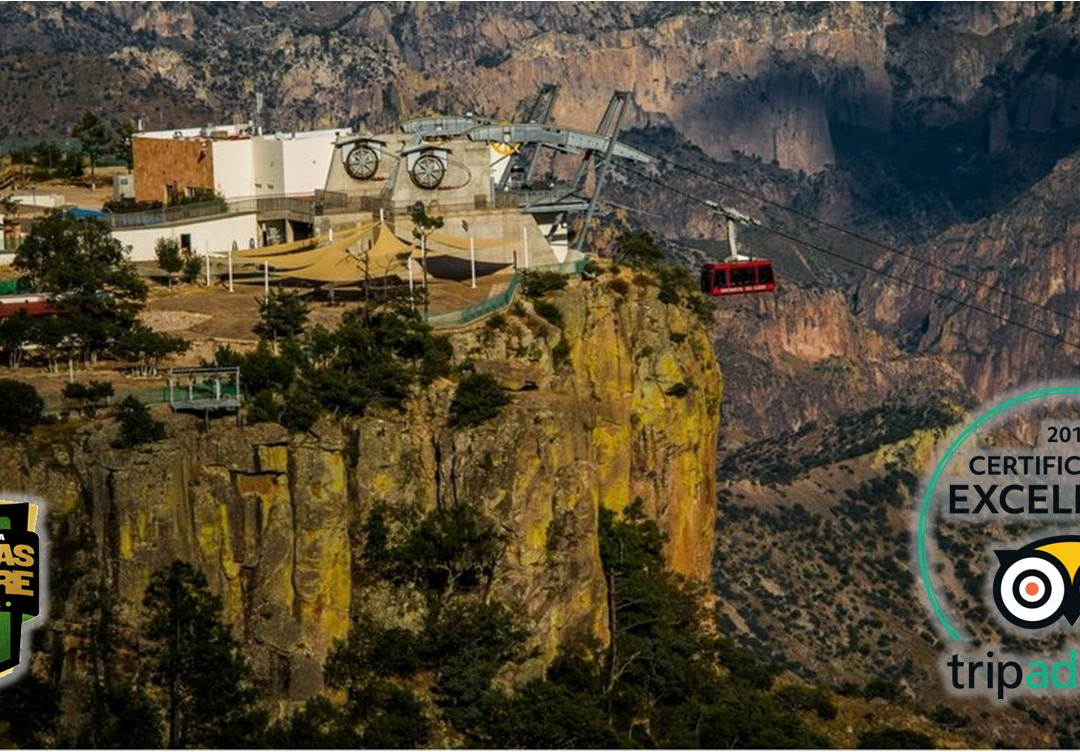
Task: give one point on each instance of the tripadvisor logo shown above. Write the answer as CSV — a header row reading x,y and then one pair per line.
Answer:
x,y
997,547
20,585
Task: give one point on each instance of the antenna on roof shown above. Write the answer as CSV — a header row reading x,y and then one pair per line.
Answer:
x,y
258,112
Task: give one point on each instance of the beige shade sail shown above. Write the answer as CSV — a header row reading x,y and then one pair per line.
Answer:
x,y
307,258
460,243
282,250
388,255
387,243
273,250
341,268
333,262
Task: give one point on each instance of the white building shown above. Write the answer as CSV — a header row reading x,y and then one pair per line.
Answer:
x,y
231,160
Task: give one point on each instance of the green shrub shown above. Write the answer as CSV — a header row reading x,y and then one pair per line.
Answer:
x,y
435,362
89,396
699,305
137,426
192,267
535,284
495,321
167,251
283,314
479,397
548,311
948,718
638,249
262,408
148,348
92,391
678,390
301,410
20,407
881,687
561,352
669,295
799,697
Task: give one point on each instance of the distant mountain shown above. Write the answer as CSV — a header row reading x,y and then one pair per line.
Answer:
x,y
900,120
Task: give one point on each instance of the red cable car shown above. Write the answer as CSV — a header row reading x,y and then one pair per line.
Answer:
x,y
737,274
737,277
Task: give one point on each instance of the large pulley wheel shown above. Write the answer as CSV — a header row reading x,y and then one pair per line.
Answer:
x,y
427,172
362,162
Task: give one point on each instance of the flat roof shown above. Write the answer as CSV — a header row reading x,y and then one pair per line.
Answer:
x,y
240,131
205,131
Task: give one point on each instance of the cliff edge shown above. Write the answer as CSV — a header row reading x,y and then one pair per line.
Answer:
x,y
617,401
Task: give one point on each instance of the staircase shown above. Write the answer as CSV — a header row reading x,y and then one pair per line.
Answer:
x,y
9,176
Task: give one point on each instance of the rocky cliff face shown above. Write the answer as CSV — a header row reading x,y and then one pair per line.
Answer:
x,y
802,355
1021,269
274,520
771,83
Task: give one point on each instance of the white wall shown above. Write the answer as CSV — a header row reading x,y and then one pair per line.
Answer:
x,y
213,234
268,176
233,168
307,161
42,200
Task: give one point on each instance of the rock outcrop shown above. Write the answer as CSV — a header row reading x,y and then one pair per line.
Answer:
x,y
771,83
802,355
1018,323
274,520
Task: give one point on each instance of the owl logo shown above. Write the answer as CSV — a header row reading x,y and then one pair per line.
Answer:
x,y
1037,584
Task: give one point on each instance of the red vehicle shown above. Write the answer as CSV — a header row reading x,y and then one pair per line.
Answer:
x,y
737,277
34,303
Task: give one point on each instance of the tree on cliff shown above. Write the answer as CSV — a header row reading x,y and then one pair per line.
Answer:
x,y
282,314
196,665
87,269
94,136
167,251
664,680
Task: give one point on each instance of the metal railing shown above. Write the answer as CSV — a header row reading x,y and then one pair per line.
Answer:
x,y
336,202
55,403
304,207
463,316
320,202
168,214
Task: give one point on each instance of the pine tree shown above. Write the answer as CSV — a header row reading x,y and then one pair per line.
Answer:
x,y
196,664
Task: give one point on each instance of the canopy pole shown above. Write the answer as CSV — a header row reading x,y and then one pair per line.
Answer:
x,y
382,215
525,244
423,253
472,260
266,281
206,252
231,249
408,265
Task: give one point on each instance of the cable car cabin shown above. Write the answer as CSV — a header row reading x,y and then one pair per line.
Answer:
x,y
737,277
35,304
